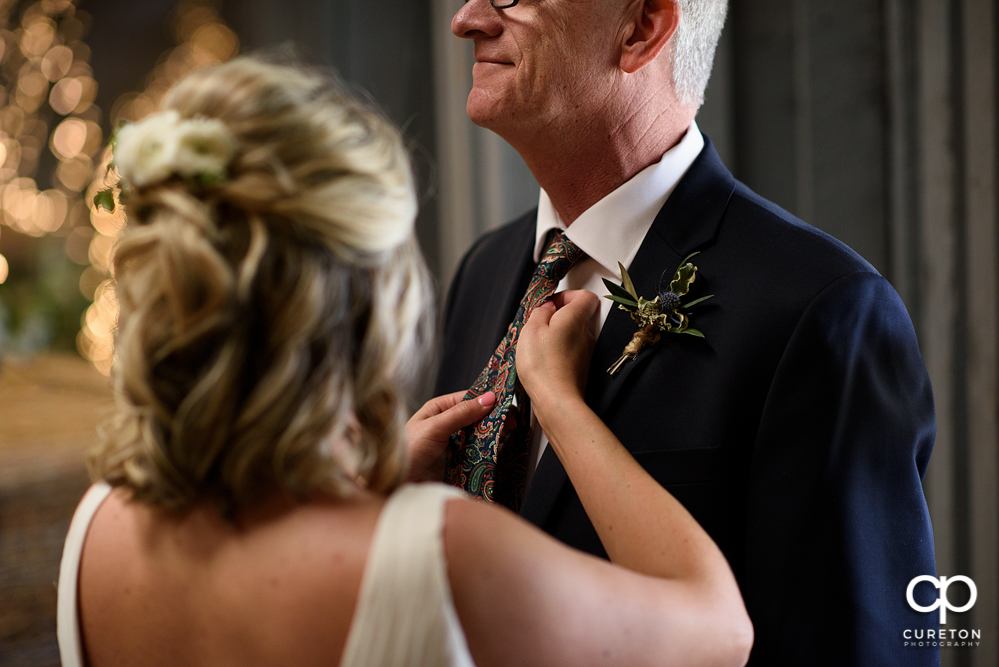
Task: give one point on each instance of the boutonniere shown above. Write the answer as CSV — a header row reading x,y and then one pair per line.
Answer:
x,y
661,314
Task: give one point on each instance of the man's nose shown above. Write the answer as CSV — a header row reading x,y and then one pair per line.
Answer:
x,y
476,18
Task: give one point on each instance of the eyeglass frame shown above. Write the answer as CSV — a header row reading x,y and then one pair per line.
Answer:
x,y
500,6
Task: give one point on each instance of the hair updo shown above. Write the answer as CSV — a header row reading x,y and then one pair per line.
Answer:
x,y
273,323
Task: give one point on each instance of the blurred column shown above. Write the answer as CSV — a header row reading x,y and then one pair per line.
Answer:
x,y
452,81
935,182
483,181
941,61
979,61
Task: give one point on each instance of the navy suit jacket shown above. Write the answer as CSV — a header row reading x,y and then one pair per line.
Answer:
x,y
797,432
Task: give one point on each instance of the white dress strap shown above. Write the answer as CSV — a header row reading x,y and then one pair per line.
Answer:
x,y
67,618
405,615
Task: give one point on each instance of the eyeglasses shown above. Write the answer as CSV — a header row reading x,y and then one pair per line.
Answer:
x,y
501,4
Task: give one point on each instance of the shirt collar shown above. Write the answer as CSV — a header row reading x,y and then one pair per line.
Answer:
x,y
612,230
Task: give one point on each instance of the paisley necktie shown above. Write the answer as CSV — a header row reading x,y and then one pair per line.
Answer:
x,y
489,459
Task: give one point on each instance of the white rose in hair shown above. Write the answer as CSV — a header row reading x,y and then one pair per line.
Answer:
x,y
145,151
204,148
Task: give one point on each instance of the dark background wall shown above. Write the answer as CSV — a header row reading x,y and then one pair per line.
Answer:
x,y
875,120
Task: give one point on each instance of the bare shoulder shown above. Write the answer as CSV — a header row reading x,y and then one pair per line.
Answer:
x,y
182,587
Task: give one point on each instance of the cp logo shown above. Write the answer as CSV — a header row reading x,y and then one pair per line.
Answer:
x,y
942,583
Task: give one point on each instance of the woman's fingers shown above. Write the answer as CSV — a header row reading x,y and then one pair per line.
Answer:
x,y
571,323
576,308
439,404
463,413
584,299
440,417
428,431
554,349
541,315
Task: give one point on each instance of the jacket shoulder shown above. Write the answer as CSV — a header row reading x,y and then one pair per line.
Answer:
x,y
792,245
502,241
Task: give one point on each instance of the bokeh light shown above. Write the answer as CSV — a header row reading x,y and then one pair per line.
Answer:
x,y
47,93
69,138
39,31
74,175
65,95
56,62
96,338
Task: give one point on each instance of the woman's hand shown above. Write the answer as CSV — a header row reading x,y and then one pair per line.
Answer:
x,y
428,431
554,348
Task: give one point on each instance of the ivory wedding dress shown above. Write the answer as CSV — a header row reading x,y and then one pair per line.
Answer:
x,y
405,615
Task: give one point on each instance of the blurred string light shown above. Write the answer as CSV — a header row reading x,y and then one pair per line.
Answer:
x,y
202,39
46,84
47,92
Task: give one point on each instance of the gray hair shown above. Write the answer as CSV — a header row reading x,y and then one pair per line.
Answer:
x,y
694,43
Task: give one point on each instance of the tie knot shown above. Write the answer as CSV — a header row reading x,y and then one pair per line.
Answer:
x,y
561,255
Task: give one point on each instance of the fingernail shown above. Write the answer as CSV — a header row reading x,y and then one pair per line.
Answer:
x,y
547,304
487,398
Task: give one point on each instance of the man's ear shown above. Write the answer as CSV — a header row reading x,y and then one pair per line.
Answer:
x,y
652,24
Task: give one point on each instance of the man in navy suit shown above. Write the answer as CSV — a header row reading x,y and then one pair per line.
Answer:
x,y
798,429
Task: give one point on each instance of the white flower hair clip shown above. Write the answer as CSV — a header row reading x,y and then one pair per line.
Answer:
x,y
163,145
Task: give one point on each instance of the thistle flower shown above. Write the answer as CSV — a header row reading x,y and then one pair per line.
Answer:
x,y
668,301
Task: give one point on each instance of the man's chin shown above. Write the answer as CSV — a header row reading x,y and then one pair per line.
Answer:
x,y
483,110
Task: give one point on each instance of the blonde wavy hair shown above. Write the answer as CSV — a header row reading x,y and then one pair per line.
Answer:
x,y
271,327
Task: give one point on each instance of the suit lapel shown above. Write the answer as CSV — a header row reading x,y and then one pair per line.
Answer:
x,y
510,281
687,222
500,283
653,258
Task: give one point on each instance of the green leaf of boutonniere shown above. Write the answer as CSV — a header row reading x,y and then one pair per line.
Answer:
x,y
622,295
628,303
684,277
626,282
697,301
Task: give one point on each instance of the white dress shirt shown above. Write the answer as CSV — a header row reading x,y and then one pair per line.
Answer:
x,y
611,231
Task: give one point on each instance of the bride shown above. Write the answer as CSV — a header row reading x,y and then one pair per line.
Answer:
x,y
250,505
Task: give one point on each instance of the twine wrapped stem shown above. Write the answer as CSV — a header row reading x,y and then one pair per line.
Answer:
x,y
646,335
